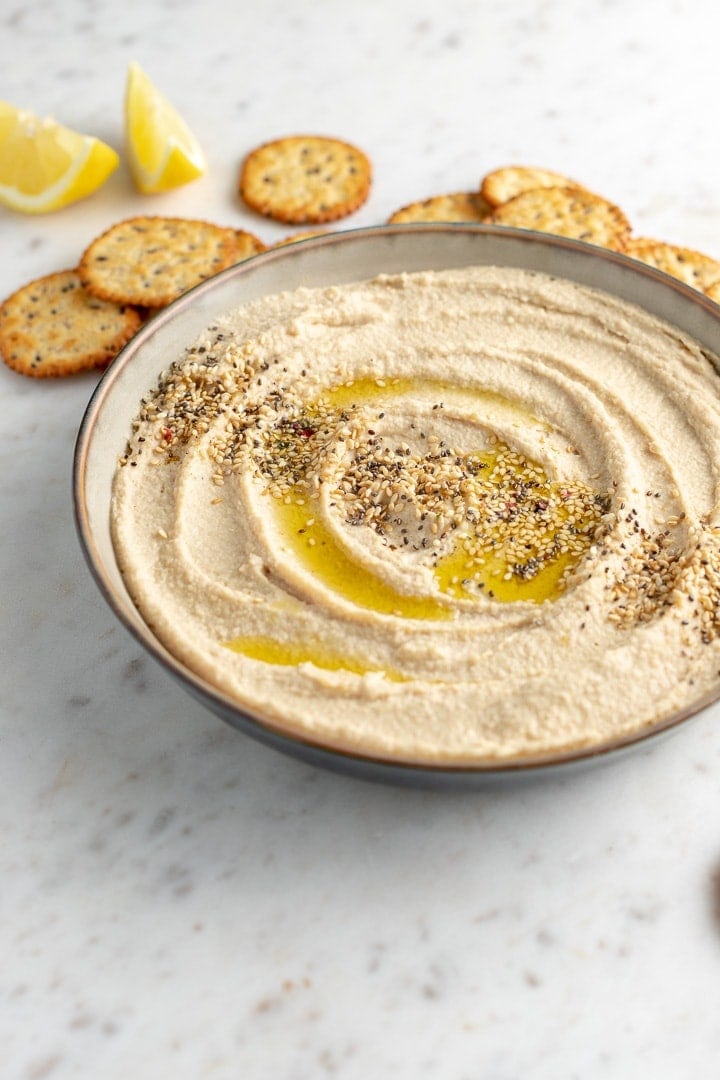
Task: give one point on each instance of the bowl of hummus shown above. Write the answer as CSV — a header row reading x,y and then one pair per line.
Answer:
x,y
425,502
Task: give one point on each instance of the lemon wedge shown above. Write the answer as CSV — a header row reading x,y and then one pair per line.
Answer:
x,y
162,151
44,165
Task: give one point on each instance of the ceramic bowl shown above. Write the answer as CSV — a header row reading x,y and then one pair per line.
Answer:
x,y
334,259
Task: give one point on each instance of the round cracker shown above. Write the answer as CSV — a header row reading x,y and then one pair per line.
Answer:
x,y
692,267
53,327
503,184
568,211
305,179
460,206
150,261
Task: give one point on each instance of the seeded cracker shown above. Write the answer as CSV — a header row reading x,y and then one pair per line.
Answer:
x,y
462,206
53,327
152,260
567,211
305,179
501,185
692,267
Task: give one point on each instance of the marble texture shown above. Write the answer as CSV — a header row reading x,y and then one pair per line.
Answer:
x,y
179,901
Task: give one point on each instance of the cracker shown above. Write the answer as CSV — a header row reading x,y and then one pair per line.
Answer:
x,y
692,267
501,185
566,211
247,245
305,179
460,206
299,236
150,261
53,327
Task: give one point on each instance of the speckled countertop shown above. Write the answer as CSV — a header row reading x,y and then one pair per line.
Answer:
x,y
179,901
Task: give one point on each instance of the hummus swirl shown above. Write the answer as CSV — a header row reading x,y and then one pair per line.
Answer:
x,y
454,517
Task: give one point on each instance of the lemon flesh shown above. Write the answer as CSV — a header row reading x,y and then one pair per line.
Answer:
x,y
44,165
162,151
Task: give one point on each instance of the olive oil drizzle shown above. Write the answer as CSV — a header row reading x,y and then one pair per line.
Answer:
x,y
314,545
291,654
517,537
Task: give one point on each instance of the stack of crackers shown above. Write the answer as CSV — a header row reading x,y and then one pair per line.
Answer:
x,y
530,198
79,319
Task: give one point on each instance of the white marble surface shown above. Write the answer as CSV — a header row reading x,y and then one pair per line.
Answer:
x,y
175,899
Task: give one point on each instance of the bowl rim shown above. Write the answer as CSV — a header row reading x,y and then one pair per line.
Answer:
x,y
269,730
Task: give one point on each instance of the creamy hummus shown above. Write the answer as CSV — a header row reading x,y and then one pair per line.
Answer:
x,y
446,517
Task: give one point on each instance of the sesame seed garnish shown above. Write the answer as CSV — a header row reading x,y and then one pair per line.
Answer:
x,y
495,504
425,497
660,573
